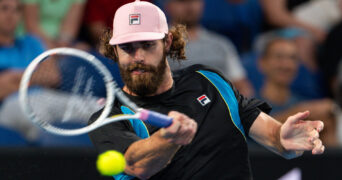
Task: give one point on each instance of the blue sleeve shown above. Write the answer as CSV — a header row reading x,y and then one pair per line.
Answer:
x,y
36,45
29,48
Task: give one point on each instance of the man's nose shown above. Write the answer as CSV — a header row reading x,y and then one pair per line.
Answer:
x,y
139,54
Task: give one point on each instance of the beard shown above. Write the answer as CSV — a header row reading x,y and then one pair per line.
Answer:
x,y
146,83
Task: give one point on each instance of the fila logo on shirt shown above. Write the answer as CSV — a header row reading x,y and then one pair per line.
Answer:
x,y
134,19
203,100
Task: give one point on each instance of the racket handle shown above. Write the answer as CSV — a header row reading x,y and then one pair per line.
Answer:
x,y
155,118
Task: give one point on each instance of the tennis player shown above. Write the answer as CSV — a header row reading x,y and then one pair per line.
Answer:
x,y
211,120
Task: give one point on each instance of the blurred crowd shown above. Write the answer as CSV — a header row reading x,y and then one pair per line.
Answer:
x,y
286,52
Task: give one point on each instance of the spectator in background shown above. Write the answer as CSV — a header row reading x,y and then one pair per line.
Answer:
x,y
279,63
329,57
55,22
15,55
239,20
206,47
314,17
98,17
306,83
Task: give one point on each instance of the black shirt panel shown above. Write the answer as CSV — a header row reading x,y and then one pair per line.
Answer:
x,y
249,109
218,150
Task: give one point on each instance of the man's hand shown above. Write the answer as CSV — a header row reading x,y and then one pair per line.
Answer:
x,y
181,131
148,156
297,134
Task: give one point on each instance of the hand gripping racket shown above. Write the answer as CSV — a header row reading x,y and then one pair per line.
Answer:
x,y
63,87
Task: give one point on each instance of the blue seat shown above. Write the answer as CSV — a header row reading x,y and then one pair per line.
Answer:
x,y
50,140
249,61
10,137
240,22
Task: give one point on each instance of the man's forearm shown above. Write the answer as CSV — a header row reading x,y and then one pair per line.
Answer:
x,y
148,156
266,131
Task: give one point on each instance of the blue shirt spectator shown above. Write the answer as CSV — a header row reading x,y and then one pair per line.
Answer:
x,y
21,53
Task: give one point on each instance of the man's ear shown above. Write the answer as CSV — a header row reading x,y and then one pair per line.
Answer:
x,y
168,41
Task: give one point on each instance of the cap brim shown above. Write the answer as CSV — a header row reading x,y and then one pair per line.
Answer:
x,y
133,37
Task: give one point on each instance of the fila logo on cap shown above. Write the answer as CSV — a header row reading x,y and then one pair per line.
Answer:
x,y
203,100
134,19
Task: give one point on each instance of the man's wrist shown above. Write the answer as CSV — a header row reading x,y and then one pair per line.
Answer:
x,y
167,140
292,154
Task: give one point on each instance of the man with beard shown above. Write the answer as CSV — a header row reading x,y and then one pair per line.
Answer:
x,y
211,120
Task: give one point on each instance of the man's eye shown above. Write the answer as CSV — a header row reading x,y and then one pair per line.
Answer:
x,y
147,45
126,48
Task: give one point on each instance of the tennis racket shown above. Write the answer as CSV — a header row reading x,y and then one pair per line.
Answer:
x,y
63,87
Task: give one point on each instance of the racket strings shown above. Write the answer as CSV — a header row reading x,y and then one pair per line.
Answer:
x,y
70,102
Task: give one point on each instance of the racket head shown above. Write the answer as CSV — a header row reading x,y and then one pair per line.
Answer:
x,y
39,100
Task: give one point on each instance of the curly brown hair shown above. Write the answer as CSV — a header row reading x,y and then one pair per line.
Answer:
x,y
177,49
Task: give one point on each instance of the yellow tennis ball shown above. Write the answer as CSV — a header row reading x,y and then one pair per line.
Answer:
x,y
110,163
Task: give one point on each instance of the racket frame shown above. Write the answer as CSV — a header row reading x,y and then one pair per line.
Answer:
x,y
110,84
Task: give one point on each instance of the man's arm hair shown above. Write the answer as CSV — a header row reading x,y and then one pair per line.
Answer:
x,y
148,156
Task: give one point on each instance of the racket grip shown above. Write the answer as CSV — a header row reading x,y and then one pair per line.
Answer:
x,y
155,118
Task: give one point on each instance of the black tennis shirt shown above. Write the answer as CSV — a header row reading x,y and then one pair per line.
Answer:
x,y
219,149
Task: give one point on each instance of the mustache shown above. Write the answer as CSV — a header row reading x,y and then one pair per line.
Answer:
x,y
139,66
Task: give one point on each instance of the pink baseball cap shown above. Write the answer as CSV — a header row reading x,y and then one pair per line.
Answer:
x,y
138,21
